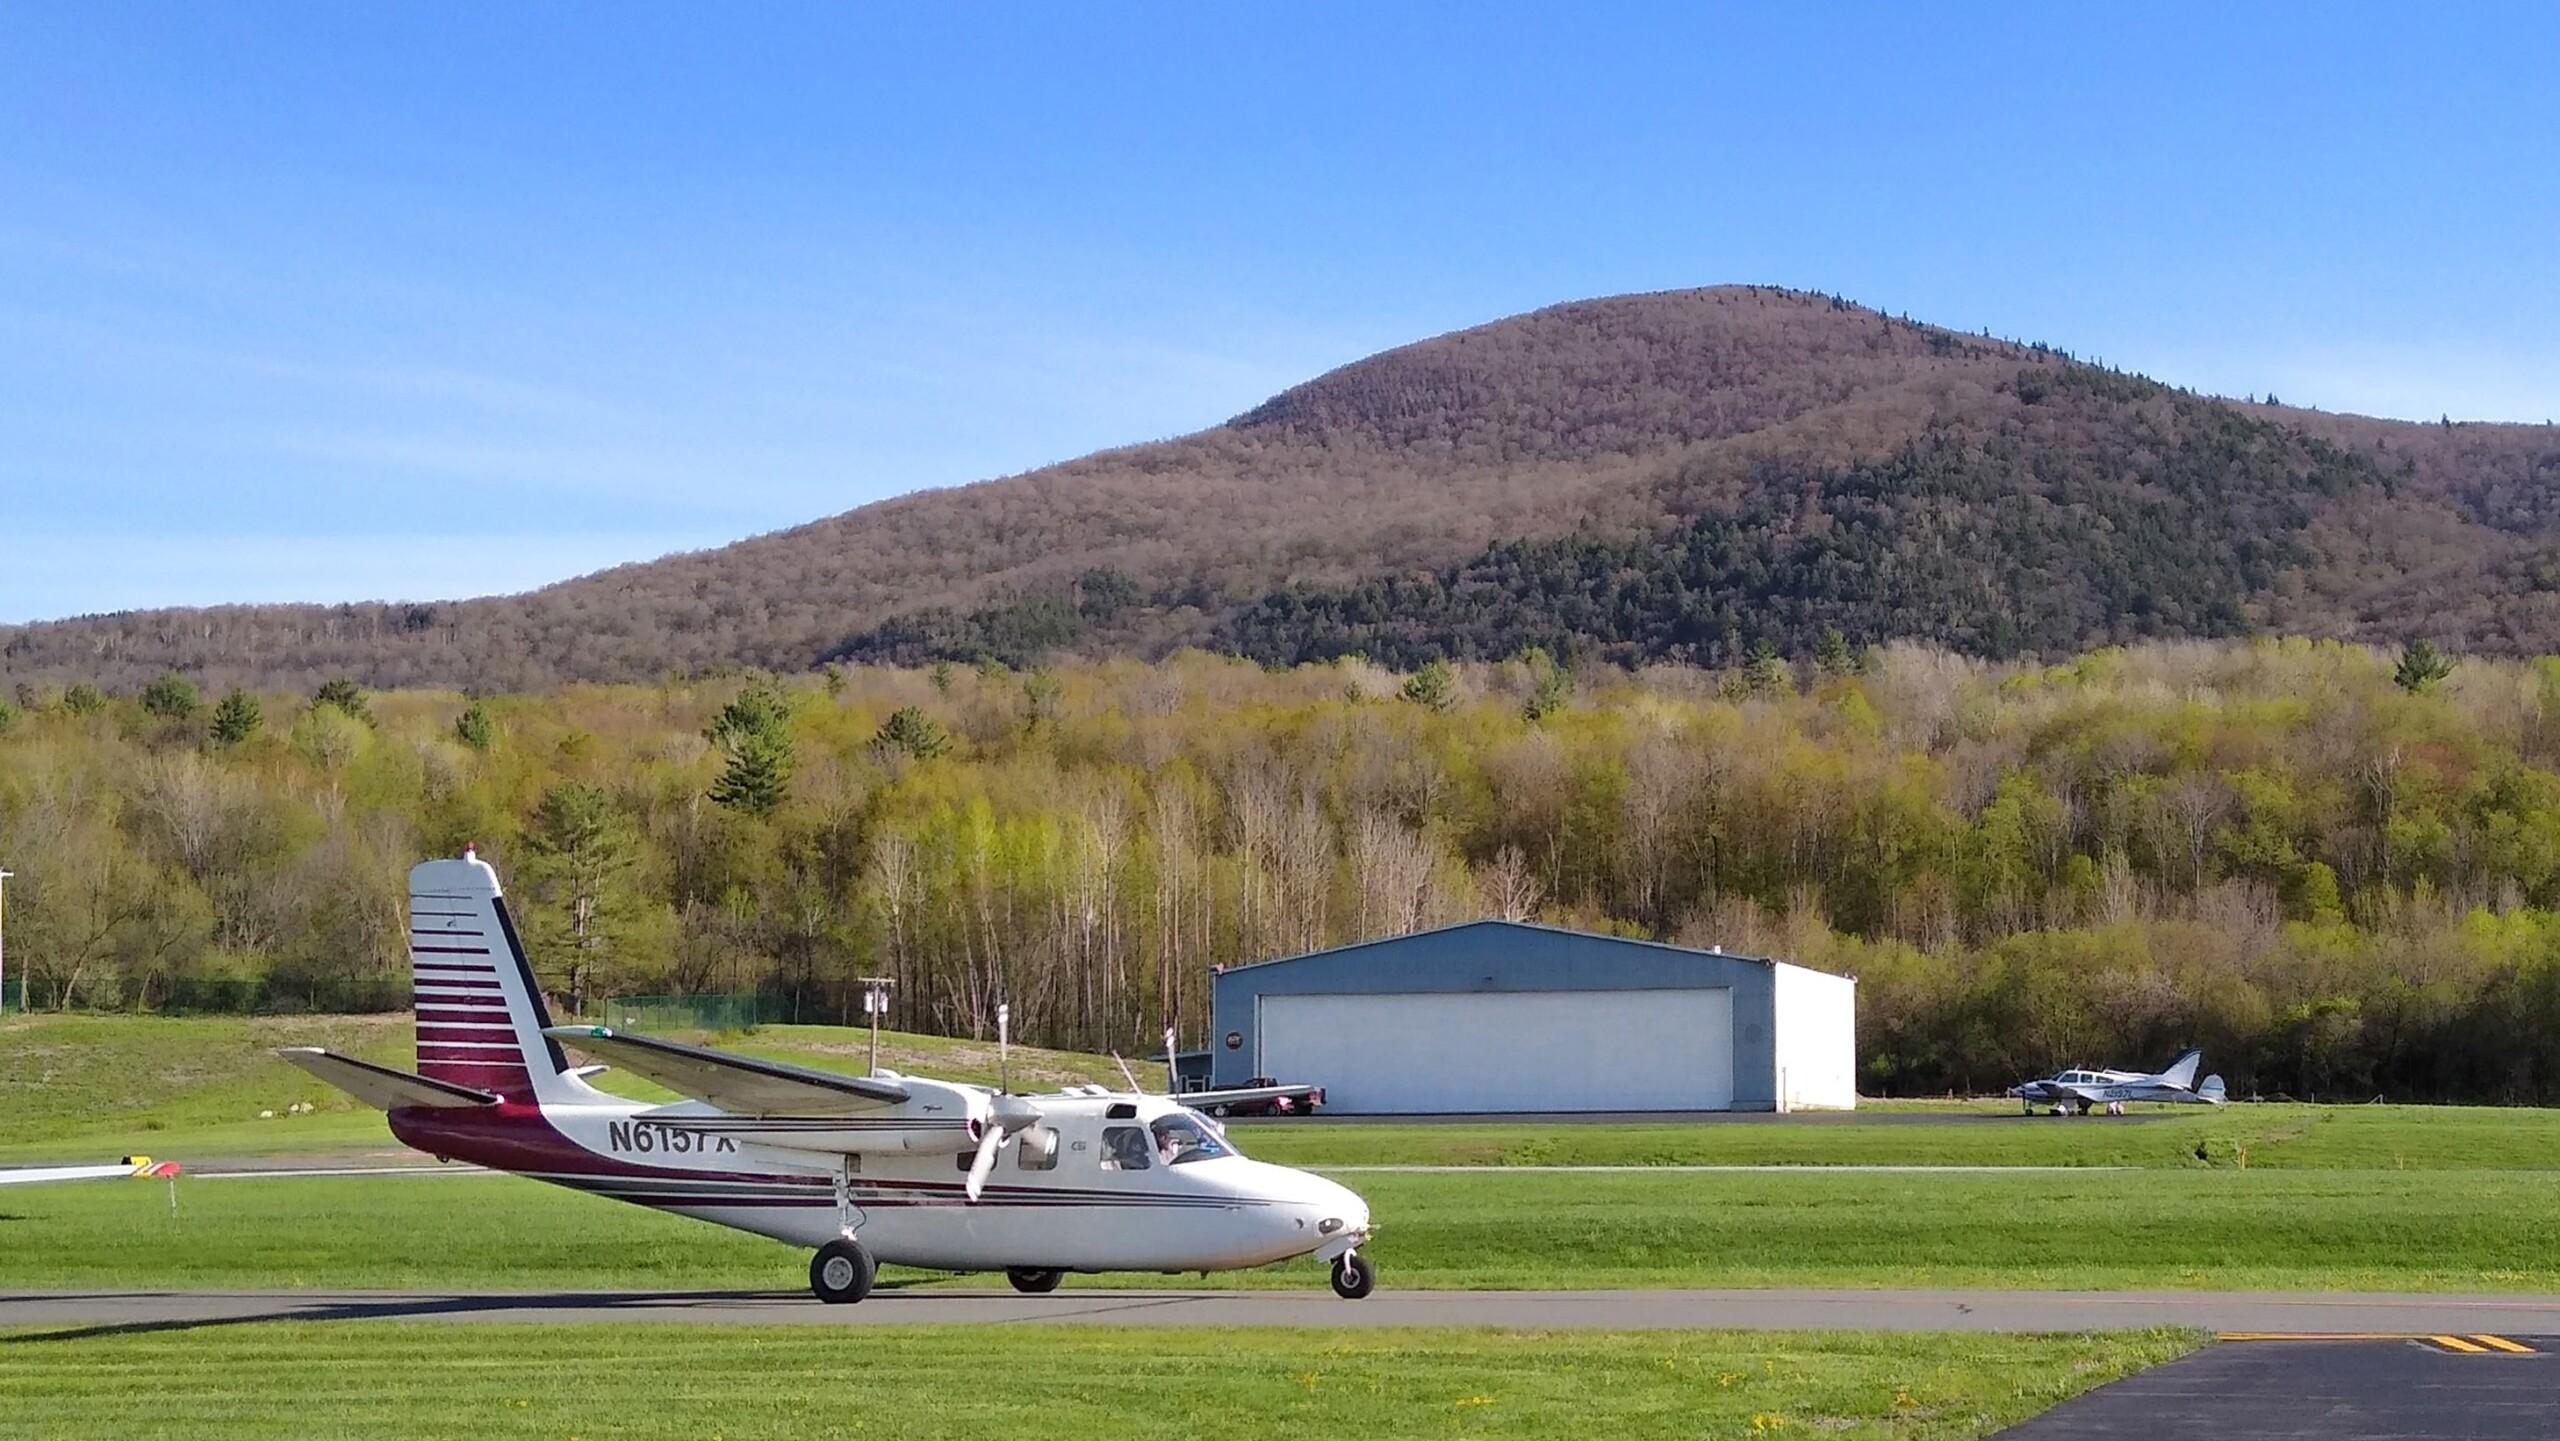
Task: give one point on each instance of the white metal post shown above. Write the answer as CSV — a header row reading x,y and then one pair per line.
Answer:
x,y
4,940
875,1004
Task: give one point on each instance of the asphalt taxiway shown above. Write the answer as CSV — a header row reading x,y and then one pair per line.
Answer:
x,y
896,1303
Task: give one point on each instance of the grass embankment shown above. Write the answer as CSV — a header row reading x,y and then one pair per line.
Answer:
x,y
80,1087
963,1383
2440,1231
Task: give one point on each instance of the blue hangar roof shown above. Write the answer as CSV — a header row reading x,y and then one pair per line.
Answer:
x,y
1495,955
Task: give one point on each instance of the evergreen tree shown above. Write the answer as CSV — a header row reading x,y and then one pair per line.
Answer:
x,y
82,698
581,860
1767,672
237,718
8,715
343,695
754,731
2421,666
1832,652
1434,687
911,731
942,674
171,697
474,728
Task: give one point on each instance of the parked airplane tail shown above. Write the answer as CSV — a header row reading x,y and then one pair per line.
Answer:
x,y
480,1015
2182,1071
2211,1090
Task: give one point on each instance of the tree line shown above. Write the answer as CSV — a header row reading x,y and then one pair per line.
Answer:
x,y
2335,867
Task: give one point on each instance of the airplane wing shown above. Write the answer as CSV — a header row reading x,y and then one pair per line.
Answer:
x,y
740,1085
142,1166
381,1087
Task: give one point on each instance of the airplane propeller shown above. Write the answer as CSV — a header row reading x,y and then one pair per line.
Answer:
x,y
1007,1117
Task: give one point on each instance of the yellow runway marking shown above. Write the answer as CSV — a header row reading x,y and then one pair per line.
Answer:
x,y
2474,1345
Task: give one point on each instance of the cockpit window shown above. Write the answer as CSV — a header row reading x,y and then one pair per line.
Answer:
x,y
1182,1137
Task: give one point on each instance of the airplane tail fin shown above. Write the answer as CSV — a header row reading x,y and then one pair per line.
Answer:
x,y
480,1015
2182,1071
2211,1090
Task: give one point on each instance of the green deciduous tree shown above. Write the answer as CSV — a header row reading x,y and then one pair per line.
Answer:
x,y
82,698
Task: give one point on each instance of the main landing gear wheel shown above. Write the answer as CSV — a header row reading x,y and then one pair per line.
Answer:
x,y
840,1274
1031,1281
1353,1276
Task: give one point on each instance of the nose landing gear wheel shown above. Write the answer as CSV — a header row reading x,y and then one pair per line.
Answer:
x,y
840,1274
1353,1276
1031,1281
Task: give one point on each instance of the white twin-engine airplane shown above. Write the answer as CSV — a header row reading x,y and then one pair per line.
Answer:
x,y
2083,1091
864,1169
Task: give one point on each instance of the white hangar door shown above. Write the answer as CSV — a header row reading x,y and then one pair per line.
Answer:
x,y
1506,1050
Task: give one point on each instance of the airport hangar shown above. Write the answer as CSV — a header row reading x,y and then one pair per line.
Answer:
x,y
1492,1016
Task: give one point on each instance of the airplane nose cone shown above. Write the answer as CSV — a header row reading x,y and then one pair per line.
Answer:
x,y
1338,1208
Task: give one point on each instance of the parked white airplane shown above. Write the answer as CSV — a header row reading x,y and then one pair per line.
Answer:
x,y
864,1169
2081,1090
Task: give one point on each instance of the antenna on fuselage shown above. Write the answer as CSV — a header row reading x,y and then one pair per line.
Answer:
x,y
1004,1047
1172,1066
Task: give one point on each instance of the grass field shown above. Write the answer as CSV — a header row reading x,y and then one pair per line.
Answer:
x,y
2276,1230
1986,1134
349,1379
78,1087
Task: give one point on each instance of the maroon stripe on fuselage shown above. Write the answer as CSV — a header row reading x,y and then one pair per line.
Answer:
x,y
418,950
457,985
514,1136
429,1051
462,1003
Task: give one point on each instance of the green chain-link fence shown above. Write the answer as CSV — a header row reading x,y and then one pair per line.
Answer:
x,y
684,1013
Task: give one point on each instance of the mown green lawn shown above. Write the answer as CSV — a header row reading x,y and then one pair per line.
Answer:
x,y
971,1382
2211,1230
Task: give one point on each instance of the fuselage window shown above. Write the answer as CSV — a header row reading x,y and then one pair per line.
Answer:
x,y
1037,1150
1125,1148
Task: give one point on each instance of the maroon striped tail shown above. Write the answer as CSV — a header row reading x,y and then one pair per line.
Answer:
x,y
480,1015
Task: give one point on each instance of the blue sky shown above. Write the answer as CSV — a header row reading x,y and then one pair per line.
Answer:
x,y
343,302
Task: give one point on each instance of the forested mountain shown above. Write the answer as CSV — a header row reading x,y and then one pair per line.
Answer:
x,y
1689,475
2336,869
